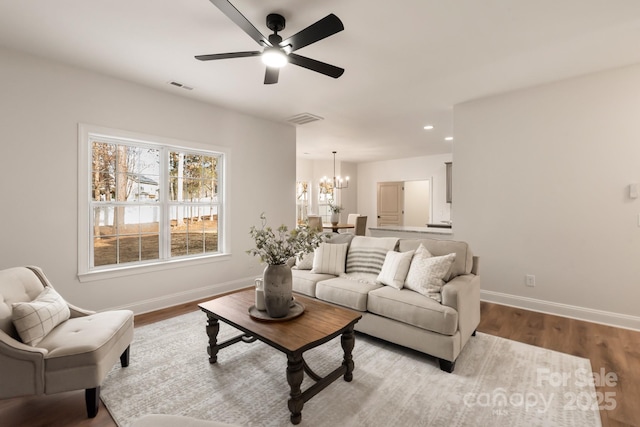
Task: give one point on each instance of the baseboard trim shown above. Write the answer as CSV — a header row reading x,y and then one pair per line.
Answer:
x,y
166,301
587,314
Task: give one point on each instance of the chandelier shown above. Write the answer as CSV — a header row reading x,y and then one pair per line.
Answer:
x,y
336,183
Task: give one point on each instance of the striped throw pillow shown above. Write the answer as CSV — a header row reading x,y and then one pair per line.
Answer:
x,y
329,258
395,268
366,254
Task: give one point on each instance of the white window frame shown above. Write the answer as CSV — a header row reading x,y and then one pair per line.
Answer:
x,y
85,134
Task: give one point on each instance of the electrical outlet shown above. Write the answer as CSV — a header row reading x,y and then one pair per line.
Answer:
x,y
530,280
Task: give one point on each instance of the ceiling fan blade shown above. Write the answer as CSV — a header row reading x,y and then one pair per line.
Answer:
x,y
317,66
242,22
227,55
271,75
327,26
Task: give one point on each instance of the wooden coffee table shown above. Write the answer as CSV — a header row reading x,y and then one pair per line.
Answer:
x,y
320,322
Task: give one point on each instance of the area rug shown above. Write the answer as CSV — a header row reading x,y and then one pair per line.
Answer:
x,y
496,382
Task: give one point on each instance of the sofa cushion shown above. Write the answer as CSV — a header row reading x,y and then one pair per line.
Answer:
x,y
330,258
367,254
426,273
346,292
395,268
464,256
304,281
35,319
407,306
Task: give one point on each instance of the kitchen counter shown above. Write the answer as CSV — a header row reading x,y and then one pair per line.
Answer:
x,y
410,231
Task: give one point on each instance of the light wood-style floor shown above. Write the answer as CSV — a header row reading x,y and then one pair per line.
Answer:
x,y
611,349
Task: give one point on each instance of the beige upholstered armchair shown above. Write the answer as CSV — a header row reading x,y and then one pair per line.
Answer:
x,y
49,346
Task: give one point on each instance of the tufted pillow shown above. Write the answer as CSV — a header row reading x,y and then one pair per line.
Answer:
x,y
426,273
395,268
330,258
34,320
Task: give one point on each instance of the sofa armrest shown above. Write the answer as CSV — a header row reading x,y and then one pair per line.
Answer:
x,y
476,265
79,312
462,293
21,368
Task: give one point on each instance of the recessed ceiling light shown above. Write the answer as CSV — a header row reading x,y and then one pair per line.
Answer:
x,y
449,138
428,127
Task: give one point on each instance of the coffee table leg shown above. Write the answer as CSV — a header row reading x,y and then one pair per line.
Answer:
x,y
348,341
213,327
295,375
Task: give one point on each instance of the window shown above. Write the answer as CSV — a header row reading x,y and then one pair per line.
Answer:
x,y
147,201
325,196
302,201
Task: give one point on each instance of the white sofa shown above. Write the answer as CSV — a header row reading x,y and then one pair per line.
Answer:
x,y
402,316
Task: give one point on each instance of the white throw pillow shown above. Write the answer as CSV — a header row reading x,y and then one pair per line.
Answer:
x,y
34,320
330,258
395,268
304,261
426,274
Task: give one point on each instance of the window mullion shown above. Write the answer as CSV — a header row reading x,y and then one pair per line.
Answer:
x,y
165,222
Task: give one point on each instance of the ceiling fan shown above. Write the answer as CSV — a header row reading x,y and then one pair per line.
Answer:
x,y
277,52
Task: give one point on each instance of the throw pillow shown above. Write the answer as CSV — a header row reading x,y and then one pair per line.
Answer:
x,y
426,274
330,258
367,254
34,320
423,252
395,268
304,261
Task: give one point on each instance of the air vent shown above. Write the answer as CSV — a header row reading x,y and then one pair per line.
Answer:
x,y
180,85
303,119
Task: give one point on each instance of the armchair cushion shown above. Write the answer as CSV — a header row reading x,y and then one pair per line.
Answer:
x,y
34,320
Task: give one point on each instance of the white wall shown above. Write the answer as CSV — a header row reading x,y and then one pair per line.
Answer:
x,y
42,103
414,168
540,187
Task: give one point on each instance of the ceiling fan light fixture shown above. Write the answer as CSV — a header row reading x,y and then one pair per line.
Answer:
x,y
274,57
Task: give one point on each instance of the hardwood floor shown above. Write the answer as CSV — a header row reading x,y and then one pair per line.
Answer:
x,y
609,349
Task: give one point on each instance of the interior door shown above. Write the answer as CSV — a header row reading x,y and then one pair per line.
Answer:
x,y
390,203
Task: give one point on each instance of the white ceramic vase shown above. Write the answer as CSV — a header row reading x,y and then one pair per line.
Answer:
x,y
335,218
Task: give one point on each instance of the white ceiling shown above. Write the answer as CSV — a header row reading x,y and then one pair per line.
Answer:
x,y
407,63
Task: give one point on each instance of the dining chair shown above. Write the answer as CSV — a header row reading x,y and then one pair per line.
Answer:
x,y
315,222
361,226
351,220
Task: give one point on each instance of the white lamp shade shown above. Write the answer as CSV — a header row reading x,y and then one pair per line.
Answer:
x,y
274,57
